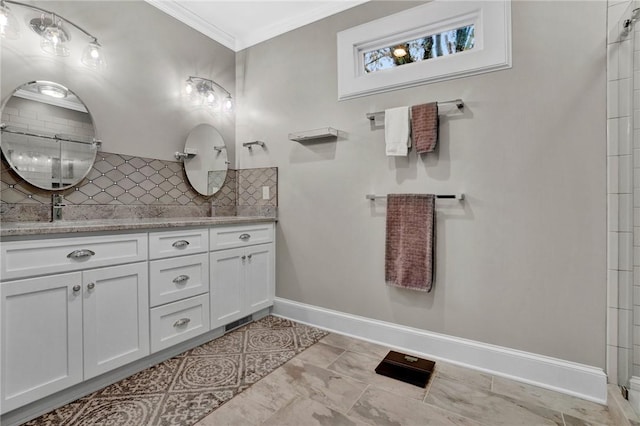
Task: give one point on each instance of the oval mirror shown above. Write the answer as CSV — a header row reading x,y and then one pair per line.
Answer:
x,y
48,137
205,159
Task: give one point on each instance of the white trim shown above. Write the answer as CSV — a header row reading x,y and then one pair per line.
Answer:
x,y
261,34
634,393
570,378
257,35
492,50
182,14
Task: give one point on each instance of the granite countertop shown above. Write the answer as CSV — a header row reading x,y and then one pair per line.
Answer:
x,y
10,229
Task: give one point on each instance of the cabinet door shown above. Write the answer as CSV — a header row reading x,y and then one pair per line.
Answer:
x,y
259,277
226,286
41,337
116,317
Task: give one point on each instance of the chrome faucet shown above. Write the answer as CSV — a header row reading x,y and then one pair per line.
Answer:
x,y
56,207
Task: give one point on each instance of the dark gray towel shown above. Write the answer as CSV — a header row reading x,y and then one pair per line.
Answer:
x,y
410,244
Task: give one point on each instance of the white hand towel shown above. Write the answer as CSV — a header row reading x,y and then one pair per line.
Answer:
x,y
396,131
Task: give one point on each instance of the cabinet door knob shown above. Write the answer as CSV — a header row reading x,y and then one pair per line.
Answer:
x,y
244,237
76,288
80,254
180,279
91,286
180,244
250,256
243,257
181,322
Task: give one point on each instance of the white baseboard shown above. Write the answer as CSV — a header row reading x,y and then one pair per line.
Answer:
x,y
634,393
568,377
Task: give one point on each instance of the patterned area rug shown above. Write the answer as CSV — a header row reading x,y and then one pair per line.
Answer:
x,y
186,388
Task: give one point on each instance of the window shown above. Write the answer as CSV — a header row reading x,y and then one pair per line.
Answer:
x,y
436,41
421,49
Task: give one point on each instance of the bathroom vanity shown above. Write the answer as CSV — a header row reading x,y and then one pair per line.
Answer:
x,y
86,304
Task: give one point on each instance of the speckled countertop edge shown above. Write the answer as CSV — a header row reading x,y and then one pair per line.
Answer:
x,y
14,229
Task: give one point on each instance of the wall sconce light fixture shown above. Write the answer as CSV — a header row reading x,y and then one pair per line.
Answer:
x,y
53,37
209,93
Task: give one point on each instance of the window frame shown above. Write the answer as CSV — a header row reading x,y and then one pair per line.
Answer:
x,y
491,52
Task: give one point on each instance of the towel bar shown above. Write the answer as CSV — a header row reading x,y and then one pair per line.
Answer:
x,y
459,196
459,104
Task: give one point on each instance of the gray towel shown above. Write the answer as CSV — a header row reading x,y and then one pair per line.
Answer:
x,y
410,244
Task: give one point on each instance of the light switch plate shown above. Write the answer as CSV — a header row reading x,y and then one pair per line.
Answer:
x,y
265,192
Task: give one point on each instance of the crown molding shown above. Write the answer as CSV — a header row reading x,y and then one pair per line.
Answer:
x,y
265,33
257,35
174,9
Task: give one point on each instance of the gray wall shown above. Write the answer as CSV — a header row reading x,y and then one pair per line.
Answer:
x,y
136,103
521,262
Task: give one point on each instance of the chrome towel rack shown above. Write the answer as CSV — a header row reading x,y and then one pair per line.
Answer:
x,y
458,103
250,145
458,196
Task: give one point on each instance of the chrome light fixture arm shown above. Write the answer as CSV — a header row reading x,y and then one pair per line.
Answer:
x,y
196,80
208,90
39,9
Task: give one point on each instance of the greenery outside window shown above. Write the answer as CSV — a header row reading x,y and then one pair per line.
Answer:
x,y
421,49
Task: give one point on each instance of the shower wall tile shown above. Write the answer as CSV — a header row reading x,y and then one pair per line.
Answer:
x,y
612,289
612,326
625,172
625,213
625,324
625,290
626,60
624,132
623,189
613,70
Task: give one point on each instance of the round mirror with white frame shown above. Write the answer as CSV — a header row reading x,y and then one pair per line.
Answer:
x,y
48,136
205,159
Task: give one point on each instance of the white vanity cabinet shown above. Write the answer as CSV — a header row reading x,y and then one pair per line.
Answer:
x,y
179,286
60,329
76,312
41,337
242,271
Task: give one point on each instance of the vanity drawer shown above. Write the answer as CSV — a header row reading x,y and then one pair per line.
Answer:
x,y
225,237
179,321
38,257
177,243
178,278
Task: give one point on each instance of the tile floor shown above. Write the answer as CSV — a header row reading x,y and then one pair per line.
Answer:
x,y
333,383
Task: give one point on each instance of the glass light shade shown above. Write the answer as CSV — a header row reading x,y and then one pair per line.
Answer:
x,y
9,28
227,104
93,57
54,39
188,88
210,98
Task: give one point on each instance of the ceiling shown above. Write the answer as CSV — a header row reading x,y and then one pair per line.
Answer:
x,y
238,24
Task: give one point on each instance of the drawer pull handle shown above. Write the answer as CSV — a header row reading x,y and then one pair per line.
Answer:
x,y
244,237
80,254
76,288
180,244
91,286
181,322
180,279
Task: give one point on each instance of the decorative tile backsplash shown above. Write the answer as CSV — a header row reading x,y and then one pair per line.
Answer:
x,y
125,186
